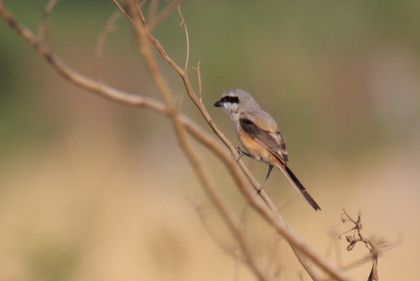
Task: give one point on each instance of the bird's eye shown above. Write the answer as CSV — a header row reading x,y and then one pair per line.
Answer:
x,y
230,99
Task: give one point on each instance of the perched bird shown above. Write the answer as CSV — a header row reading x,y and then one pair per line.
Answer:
x,y
258,133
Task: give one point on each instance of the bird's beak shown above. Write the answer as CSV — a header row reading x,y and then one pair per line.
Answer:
x,y
218,104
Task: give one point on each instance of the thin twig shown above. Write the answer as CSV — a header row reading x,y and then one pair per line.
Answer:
x,y
152,11
374,245
44,33
187,38
200,86
122,10
223,207
110,27
166,12
270,215
84,82
112,93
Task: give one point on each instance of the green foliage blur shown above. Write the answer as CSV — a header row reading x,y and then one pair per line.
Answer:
x,y
339,76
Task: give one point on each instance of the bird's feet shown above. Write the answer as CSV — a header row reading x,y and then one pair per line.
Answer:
x,y
240,153
262,186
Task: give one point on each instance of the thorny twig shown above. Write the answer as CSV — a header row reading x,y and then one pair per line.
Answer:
x,y
353,239
357,228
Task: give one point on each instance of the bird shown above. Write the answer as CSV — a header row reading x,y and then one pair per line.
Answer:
x,y
258,133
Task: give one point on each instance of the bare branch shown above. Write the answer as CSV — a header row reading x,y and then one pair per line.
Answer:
x,y
231,221
200,86
152,10
381,247
187,57
82,81
272,216
166,12
182,125
122,10
110,27
44,32
375,245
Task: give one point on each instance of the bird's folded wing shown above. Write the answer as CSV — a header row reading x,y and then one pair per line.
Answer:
x,y
272,141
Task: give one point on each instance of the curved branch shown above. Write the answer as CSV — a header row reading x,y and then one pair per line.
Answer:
x,y
182,122
272,215
73,76
218,200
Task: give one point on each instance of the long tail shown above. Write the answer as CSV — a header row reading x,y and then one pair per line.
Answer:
x,y
300,188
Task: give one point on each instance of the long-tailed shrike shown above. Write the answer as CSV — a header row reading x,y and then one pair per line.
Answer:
x,y
258,133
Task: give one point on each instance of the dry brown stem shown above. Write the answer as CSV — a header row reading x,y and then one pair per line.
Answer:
x,y
110,27
184,128
375,245
145,48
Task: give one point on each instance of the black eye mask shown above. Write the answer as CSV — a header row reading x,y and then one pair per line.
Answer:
x,y
230,99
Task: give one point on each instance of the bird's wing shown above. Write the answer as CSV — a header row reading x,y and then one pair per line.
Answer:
x,y
264,131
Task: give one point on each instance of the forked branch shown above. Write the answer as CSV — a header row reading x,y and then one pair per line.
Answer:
x,y
374,245
184,127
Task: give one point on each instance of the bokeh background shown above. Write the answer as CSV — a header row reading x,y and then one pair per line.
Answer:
x,y
92,190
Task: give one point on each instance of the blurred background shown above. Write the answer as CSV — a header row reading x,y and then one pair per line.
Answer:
x,y
92,190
